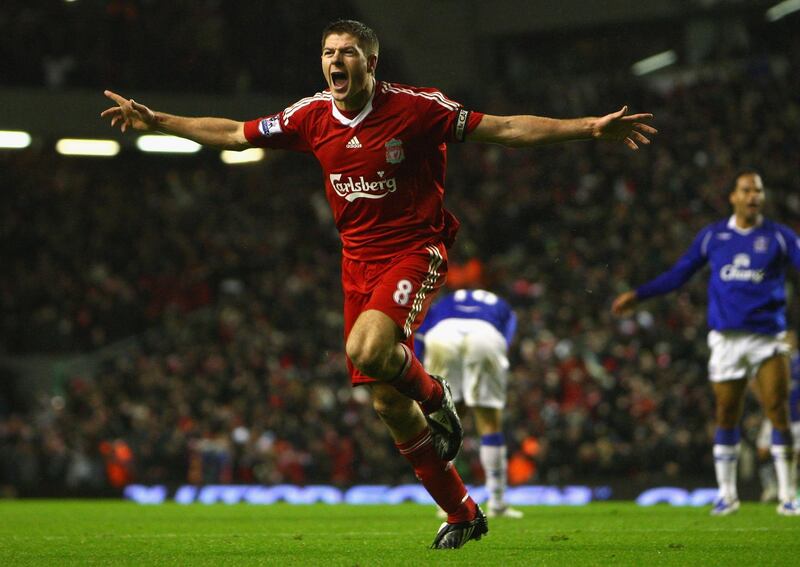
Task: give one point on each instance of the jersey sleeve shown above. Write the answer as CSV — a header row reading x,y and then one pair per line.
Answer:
x,y
510,326
694,259
442,119
790,243
277,131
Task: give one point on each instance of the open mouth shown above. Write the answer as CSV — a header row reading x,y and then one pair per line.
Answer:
x,y
339,80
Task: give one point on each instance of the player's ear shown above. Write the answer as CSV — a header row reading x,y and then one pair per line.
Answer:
x,y
372,63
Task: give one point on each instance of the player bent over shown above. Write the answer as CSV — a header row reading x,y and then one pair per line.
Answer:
x,y
748,255
465,338
382,147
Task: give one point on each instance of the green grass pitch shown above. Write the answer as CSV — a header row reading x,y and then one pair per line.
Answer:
x,y
56,533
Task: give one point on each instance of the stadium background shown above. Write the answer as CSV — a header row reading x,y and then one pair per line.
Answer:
x,y
172,319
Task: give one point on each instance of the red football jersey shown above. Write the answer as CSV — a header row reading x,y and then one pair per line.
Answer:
x,y
384,168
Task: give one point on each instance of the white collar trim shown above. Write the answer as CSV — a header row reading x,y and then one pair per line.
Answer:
x,y
744,231
353,122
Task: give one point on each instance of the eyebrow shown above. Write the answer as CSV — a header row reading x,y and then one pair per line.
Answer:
x,y
343,48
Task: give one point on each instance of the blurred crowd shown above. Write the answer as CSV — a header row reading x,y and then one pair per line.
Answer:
x,y
229,279
209,46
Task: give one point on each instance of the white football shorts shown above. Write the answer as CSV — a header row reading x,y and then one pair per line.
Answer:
x,y
736,355
472,355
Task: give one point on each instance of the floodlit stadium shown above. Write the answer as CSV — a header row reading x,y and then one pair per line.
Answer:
x,y
174,380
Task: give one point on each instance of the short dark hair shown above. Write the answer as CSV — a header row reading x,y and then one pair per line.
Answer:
x,y
367,39
746,171
739,172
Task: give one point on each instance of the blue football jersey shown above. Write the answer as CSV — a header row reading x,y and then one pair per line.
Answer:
x,y
472,304
746,290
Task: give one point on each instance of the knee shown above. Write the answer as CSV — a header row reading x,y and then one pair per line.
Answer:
x,y
727,415
369,356
488,420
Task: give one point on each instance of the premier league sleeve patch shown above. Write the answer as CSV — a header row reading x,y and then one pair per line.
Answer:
x,y
270,126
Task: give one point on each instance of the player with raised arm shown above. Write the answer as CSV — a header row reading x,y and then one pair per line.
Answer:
x,y
748,255
382,147
465,339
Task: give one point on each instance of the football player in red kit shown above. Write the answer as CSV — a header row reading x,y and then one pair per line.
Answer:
x,y
383,151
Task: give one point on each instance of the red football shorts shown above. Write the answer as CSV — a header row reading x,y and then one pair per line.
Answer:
x,y
402,287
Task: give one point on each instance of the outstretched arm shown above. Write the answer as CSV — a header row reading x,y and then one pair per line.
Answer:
x,y
525,130
686,266
624,303
217,132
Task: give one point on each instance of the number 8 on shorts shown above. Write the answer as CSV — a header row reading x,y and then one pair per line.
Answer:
x,y
403,292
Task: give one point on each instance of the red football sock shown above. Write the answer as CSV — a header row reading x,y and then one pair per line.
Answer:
x,y
414,382
439,478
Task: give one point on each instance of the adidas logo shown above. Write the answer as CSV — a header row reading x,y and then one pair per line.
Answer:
x,y
353,143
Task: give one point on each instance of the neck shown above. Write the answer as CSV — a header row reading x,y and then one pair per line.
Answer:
x,y
743,221
359,99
